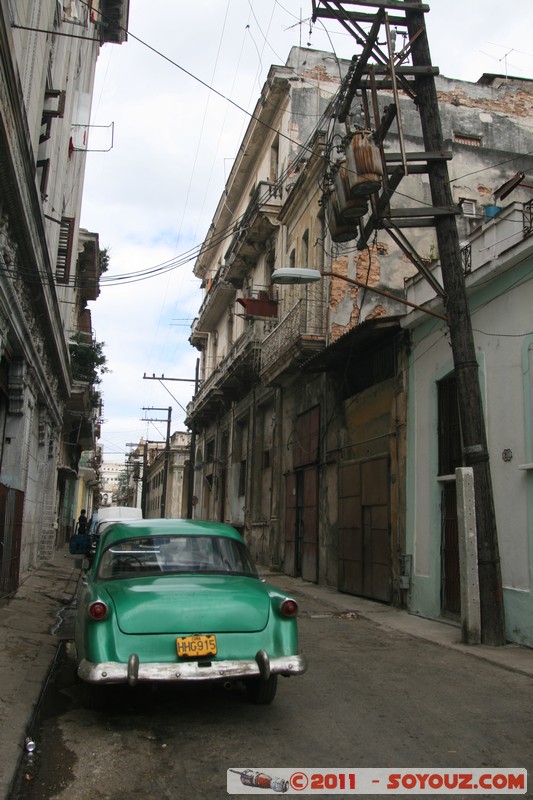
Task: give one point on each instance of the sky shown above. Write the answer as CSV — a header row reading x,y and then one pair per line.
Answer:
x,y
169,111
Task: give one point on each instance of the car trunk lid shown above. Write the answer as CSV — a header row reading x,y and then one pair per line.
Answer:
x,y
186,604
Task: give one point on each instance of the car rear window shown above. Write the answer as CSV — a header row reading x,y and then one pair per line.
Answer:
x,y
175,555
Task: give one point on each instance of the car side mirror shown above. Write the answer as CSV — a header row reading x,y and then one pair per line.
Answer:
x,y
85,564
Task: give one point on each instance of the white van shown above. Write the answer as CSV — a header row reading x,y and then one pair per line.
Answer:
x,y
111,514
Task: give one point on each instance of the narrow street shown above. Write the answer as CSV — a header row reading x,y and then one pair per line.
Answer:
x,y
371,698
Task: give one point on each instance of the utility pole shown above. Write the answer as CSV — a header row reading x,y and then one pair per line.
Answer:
x,y
145,469
136,467
419,83
475,449
196,381
166,456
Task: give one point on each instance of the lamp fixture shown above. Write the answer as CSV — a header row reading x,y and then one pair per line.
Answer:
x,y
292,275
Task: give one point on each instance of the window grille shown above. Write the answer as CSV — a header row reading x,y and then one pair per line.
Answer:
x,y
464,138
64,250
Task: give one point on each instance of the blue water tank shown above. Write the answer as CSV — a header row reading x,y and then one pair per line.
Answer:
x,y
491,211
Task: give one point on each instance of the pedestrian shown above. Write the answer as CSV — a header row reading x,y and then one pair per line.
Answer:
x,y
82,523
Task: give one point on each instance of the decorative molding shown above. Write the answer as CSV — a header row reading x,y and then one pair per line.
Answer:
x,y
16,385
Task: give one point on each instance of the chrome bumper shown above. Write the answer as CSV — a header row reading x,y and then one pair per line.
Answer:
x,y
136,671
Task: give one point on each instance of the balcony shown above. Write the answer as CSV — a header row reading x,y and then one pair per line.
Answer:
x,y
88,266
260,302
114,22
253,230
220,295
497,234
88,467
232,378
491,240
300,335
82,414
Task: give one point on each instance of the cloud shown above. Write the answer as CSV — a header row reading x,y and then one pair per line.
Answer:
x,y
151,198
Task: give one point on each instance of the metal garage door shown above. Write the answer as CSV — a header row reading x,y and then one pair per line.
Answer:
x,y
365,561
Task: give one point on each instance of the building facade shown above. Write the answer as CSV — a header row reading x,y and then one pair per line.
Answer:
x,y
301,419
110,473
166,478
49,411
500,287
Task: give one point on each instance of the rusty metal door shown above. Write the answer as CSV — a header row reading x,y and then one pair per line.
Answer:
x,y
308,514
365,558
301,499
450,457
11,507
291,507
301,524
450,570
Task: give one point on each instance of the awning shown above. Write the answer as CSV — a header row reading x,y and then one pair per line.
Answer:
x,y
357,341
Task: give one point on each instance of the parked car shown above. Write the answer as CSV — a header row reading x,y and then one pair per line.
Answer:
x,y
85,544
181,600
106,516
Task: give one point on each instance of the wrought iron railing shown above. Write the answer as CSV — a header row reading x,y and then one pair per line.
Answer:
x,y
527,216
466,258
306,318
247,346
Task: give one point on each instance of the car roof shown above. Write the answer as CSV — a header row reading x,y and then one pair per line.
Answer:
x,y
126,529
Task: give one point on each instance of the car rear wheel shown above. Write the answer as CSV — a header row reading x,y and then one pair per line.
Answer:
x,y
261,691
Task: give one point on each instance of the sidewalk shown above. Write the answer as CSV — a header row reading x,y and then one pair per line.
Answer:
x,y
27,651
28,645
511,657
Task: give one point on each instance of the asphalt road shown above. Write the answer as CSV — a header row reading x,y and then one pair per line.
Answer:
x,y
371,698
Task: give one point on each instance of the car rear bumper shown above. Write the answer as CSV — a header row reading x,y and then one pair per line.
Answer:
x,y
143,672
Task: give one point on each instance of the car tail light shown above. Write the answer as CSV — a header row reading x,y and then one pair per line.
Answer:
x,y
97,610
289,608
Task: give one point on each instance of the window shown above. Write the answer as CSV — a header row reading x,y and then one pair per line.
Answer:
x,y
54,104
449,432
469,208
229,327
175,554
242,478
44,166
274,160
305,249
240,449
292,259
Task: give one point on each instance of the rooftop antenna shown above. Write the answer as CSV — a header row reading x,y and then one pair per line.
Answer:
x,y
504,58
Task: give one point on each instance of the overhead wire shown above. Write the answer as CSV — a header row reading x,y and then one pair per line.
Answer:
x,y
155,337
304,148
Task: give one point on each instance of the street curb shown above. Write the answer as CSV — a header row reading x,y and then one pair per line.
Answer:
x,y
28,649
444,633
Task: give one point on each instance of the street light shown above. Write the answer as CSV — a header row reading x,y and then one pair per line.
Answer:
x,y
300,275
292,275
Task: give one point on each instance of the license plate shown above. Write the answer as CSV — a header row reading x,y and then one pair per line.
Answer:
x,y
194,646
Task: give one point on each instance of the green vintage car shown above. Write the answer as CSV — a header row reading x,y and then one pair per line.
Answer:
x,y
181,600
